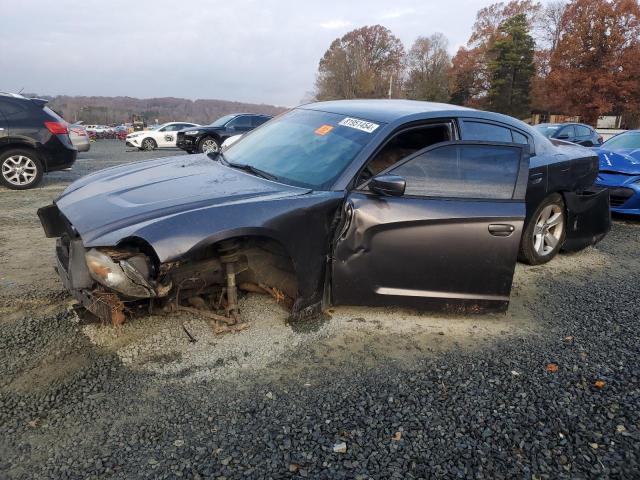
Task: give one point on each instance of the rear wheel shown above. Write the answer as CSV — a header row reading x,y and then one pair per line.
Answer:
x,y
148,144
208,145
20,169
543,237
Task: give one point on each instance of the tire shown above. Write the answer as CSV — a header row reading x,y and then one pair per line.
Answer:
x,y
544,235
208,145
20,169
148,144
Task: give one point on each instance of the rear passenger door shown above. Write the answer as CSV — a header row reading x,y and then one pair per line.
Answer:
x,y
452,239
480,129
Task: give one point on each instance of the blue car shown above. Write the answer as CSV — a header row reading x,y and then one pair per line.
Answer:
x,y
620,171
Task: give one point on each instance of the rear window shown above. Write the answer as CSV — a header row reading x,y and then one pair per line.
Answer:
x,y
53,114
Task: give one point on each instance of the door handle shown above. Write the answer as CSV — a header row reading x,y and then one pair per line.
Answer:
x,y
501,229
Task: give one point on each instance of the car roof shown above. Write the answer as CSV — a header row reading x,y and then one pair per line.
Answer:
x,y
382,110
562,124
13,95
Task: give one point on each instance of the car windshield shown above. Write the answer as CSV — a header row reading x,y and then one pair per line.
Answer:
x,y
625,140
547,130
305,148
221,122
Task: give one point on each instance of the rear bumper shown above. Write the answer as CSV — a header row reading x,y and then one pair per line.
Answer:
x,y
82,144
58,153
588,218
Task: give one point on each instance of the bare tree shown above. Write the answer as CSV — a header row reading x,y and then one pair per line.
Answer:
x,y
428,64
550,23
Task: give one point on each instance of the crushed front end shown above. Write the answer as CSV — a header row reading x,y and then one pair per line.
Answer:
x,y
115,282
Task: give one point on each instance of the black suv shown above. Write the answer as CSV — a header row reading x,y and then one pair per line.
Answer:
x,y
571,132
209,138
33,140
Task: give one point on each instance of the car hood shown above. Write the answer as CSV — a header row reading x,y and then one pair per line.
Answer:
x,y
625,161
132,194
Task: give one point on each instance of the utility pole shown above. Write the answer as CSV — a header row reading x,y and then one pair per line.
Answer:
x,y
390,85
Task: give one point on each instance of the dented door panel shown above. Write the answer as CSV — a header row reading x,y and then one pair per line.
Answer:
x,y
425,248
412,249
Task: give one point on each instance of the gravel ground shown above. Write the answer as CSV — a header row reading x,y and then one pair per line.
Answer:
x,y
410,395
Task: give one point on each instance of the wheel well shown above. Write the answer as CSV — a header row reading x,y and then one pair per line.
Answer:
x,y
25,146
215,136
22,146
267,262
140,245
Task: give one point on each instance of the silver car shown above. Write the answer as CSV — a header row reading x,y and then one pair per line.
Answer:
x,y
79,138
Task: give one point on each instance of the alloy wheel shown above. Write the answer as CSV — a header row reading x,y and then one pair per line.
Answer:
x,y
548,229
19,170
209,146
147,144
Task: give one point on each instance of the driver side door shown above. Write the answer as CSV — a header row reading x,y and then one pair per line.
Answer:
x,y
450,240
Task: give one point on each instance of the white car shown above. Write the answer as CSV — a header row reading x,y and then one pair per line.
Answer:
x,y
230,141
162,136
97,128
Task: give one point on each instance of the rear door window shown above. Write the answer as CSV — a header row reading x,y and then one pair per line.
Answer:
x,y
243,121
569,131
583,131
463,171
257,121
486,132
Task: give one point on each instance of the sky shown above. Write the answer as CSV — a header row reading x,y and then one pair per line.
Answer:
x,y
244,50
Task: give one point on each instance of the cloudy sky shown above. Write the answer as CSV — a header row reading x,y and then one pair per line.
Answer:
x,y
264,51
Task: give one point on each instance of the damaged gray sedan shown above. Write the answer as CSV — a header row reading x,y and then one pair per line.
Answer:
x,y
365,202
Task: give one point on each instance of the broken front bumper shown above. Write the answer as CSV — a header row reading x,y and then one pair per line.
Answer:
x,y
75,277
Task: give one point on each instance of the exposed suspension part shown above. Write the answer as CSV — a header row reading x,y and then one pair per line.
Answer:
x,y
228,254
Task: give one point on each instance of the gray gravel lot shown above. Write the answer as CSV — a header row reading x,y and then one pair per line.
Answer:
x,y
412,395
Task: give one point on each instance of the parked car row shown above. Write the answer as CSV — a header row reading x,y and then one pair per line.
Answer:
x,y
194,138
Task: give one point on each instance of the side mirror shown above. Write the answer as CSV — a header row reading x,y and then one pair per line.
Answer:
x,y
564,136
392,185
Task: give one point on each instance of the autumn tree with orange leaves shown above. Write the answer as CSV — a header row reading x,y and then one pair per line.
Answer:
x,y
595,69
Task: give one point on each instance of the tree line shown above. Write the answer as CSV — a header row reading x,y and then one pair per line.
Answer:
x,y
577,57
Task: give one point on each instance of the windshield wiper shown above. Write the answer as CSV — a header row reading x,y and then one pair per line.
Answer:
x,y
253,170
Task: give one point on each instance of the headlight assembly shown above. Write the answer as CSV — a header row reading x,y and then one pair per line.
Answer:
x,y
119,275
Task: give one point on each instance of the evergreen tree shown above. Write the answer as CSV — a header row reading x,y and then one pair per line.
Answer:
x,y
511,68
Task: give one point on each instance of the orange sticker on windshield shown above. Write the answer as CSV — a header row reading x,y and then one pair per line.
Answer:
x,y
323,130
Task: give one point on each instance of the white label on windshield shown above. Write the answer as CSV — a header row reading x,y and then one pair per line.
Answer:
x,y
359,124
